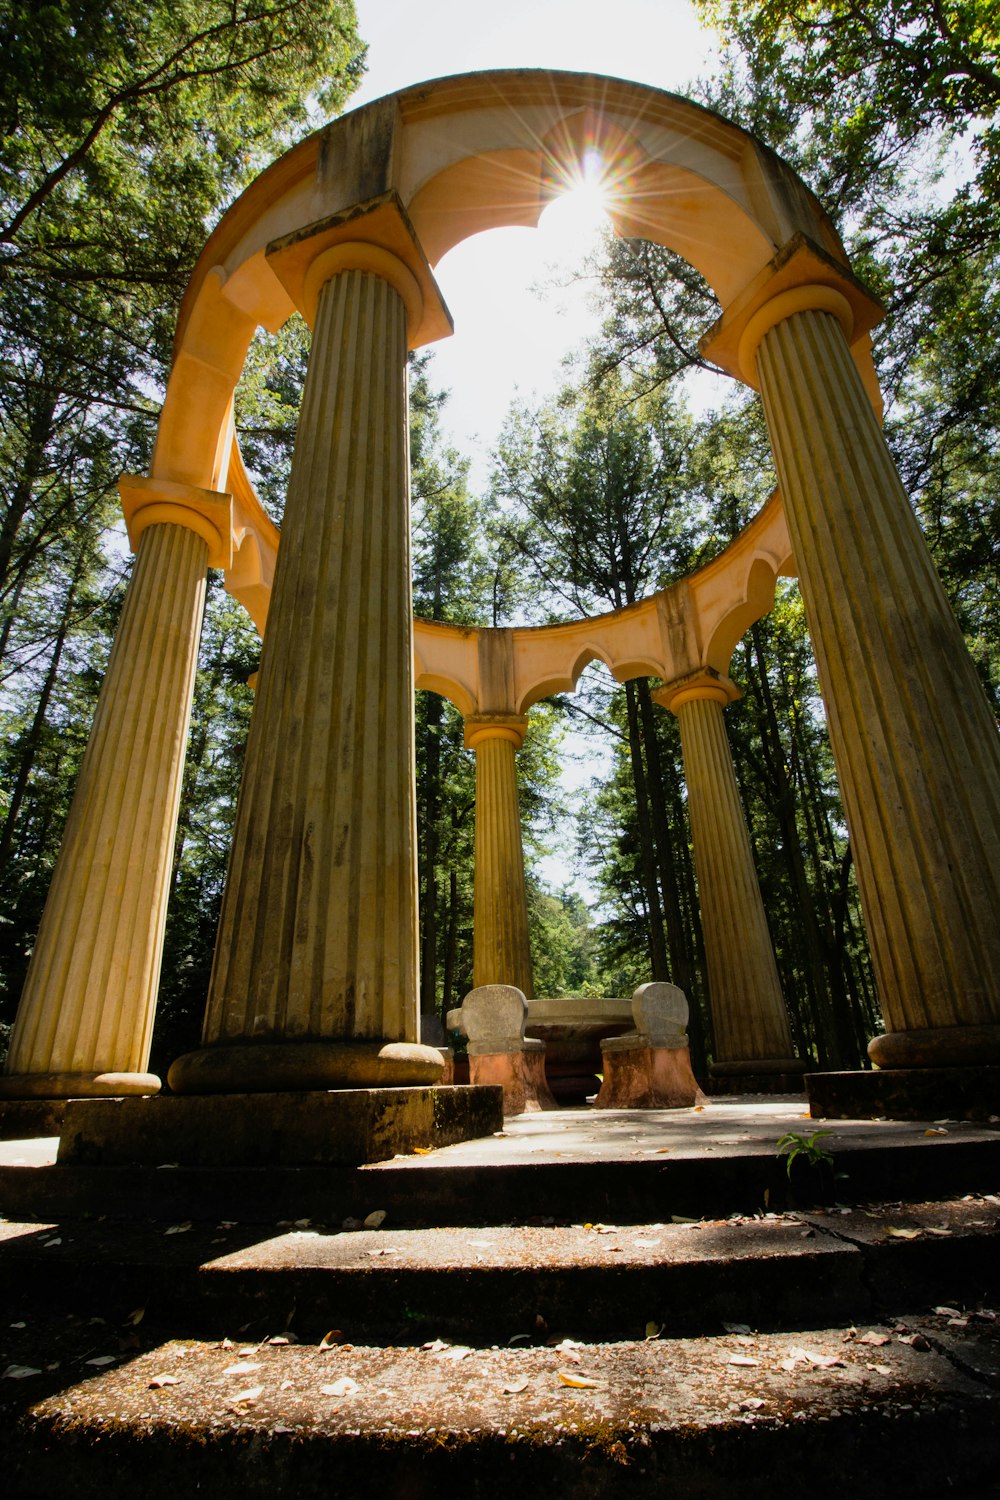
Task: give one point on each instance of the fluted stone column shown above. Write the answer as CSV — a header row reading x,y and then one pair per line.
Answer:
x,y
314,983
916,748
749,1019
501,951
85,1019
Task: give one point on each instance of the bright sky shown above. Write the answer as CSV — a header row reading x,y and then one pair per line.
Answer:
x,y
490,359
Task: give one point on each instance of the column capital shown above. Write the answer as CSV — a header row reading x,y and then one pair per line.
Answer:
x,y
375,236
154,502
481,727
705,683
801,278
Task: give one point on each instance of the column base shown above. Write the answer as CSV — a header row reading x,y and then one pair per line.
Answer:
x,y
280,1067
344,1127
906,1094
742,1067
77,1085
937,1047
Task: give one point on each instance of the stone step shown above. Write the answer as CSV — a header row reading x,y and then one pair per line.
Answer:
x,y
597,1281
616,1167
906,1406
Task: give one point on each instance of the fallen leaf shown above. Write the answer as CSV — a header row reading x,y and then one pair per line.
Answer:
x,y
179,1228
101,1359
935,1229
243,1368
48,1244
375,1220
741,1359
878,1339
903,1234
422,1150
880,1369
680,1219
331,1340
936,1130
915,1341
824,1361
244,1397
343,1387
948,1312
736,1327
18,1325
161,1380
515,1387
136,1316
578,1382
302,1223
436,1346
752,1403
456,1352
19,1372
653,1330
284,1338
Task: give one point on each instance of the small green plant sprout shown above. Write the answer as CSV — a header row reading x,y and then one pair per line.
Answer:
x,y
811,1147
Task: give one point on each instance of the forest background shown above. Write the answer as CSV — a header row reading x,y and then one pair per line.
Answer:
x,y
125,131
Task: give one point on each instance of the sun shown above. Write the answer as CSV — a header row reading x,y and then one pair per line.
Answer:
x,y
578,214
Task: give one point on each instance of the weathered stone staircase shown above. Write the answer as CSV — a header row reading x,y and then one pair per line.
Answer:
x,y
631,1305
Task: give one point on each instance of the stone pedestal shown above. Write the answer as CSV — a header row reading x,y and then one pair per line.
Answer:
x,y
501,949
335,1128
315,973
749,1019
493,1018
966,1093
86,1014
650,1067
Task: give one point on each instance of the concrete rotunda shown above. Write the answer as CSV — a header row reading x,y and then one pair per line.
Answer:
x,y
315,977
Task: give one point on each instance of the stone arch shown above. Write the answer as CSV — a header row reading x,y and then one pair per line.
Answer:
x,y
462,155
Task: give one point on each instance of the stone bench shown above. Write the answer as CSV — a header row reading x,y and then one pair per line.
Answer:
x,y
650,1067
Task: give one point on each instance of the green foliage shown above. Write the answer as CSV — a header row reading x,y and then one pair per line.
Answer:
x,y
792,1145
562,952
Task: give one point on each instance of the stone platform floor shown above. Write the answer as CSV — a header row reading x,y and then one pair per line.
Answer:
x,y
628,1166
726,1126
